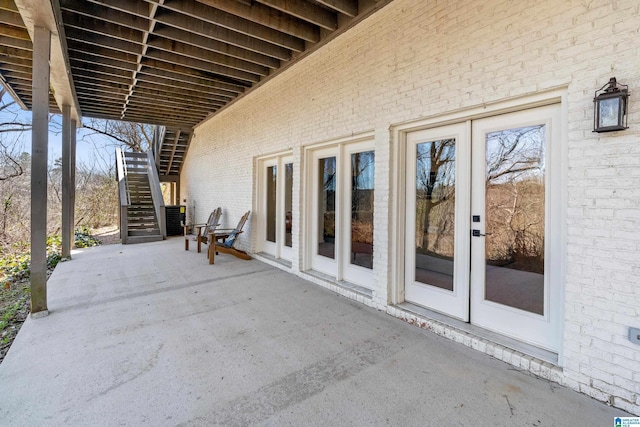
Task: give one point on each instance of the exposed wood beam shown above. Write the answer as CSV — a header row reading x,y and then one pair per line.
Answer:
x,y
153,89
268,17
102,41
8,5
45,14
192,52
137,8
142,111
178,122
224,35
153,10
106,62
148,94
152,92
6,51
80,73
11,18
202,42
189,77
153,63
15,72
198,11
242,77
89,24
14,32
17,43
171,84
102,69
79,46
17,61
347,7
108,14
174,105
304,10
105,101
89,82
89,88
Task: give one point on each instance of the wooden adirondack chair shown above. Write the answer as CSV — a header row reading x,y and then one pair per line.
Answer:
x,y
222,240
201,231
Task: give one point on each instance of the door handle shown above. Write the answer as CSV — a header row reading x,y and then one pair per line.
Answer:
x,y
476,233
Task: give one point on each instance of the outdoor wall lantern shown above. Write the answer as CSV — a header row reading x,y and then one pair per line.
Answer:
x,y
610,111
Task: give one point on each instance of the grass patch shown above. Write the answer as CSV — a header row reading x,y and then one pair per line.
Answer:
x,y
14,309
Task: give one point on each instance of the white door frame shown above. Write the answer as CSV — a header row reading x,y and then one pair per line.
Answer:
x,y
339,267
398,187
277,249
321,263
351,272
536,329
453,303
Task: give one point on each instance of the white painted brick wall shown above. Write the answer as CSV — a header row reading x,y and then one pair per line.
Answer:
x,y
416,59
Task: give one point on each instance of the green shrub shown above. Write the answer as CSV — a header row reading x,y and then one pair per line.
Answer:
x,y
16,266
84,239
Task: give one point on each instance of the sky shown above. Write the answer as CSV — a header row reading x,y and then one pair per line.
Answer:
x,y
91,149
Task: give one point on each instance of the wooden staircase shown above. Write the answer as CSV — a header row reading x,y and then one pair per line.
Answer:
x,y
142,223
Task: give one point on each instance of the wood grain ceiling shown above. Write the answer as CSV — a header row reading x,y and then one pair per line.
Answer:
x,y
174,62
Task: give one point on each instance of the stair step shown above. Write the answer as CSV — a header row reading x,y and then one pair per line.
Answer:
x,y
141,212
143,225
143,239
149,217
147,232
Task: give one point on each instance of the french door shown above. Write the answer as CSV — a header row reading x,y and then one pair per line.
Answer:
x,y
342,197
483,223
276,203
437,258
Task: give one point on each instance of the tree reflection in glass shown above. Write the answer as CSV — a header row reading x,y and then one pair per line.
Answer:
x,y
288,202
435,213
272,179
362,191
515,217
327,207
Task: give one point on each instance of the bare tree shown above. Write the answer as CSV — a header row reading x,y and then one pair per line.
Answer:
x,y
134,136
515,198
11,129
435,189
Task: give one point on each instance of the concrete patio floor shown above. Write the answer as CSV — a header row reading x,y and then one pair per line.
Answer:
x,y
150,334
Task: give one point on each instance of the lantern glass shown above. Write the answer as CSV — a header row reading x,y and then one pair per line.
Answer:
x,y
609,110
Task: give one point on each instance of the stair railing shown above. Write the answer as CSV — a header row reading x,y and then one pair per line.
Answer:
x,y
123,193
158,138
156,194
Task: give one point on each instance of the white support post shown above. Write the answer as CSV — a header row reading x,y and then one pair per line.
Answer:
x,y
39,147
67,189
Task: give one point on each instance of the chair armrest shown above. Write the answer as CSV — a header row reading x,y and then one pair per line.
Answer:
x,y
222,231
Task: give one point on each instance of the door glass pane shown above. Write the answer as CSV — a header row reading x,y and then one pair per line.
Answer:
x,y
327,204
288,202
362,175
515,218
271,203
435,211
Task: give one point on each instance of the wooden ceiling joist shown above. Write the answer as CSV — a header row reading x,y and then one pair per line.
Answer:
x,y
170,62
